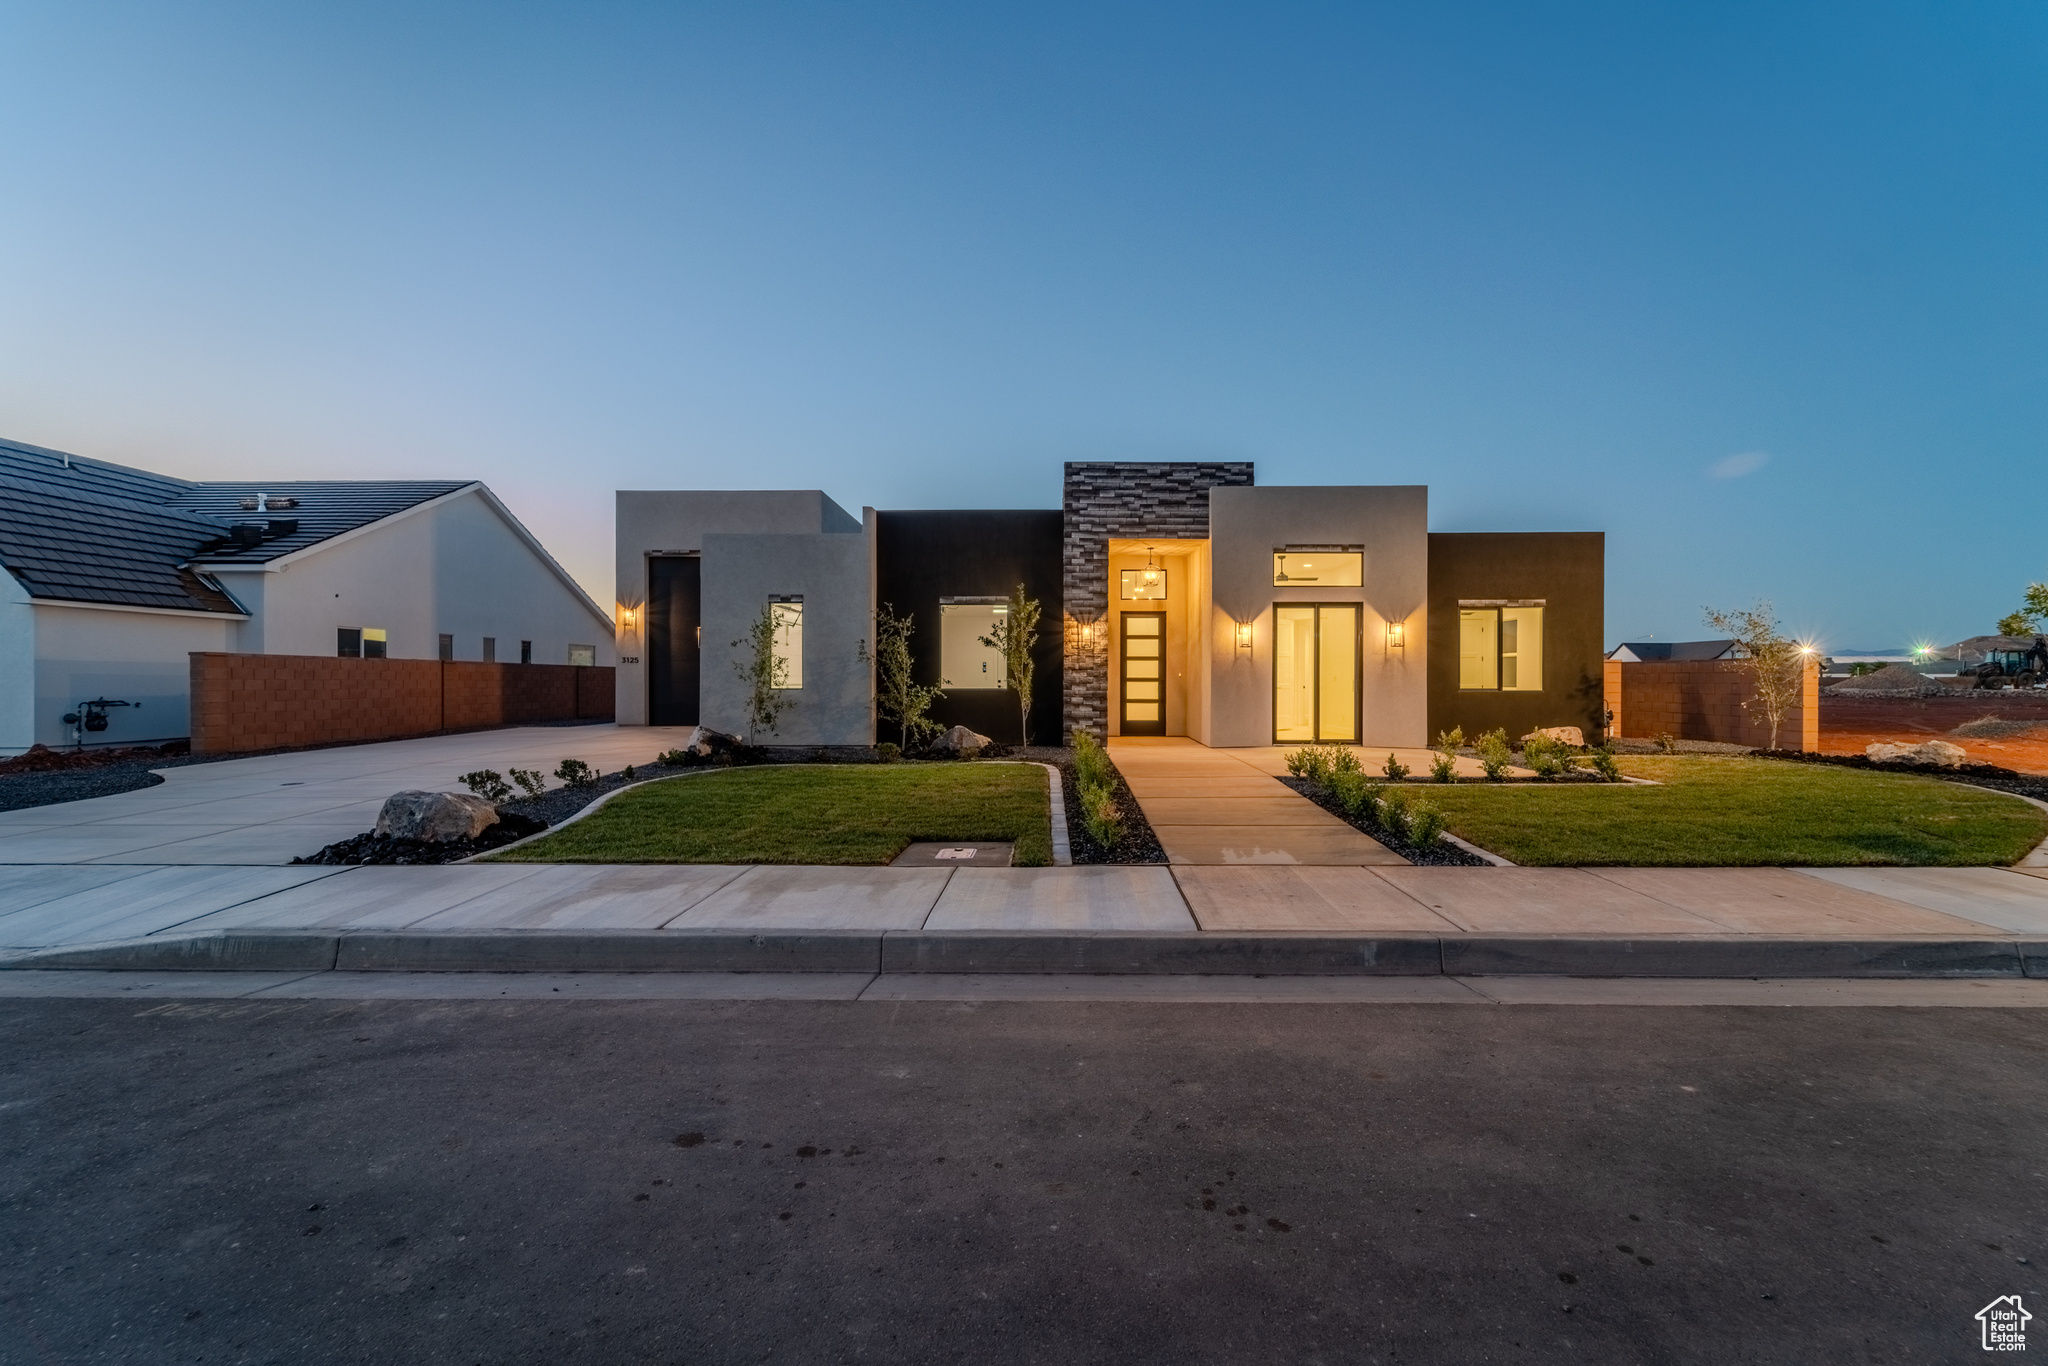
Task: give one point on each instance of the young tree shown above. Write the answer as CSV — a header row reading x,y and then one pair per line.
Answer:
x,y
765,672
2029,618
898,696
1016,631
1776,665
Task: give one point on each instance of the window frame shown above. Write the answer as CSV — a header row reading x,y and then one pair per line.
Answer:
x,y
787,610
1497,606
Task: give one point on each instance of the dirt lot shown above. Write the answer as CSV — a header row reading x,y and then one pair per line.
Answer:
x,y
1847,724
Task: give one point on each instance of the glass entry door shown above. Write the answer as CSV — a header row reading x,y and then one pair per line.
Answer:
x,y
1141,674
1315,672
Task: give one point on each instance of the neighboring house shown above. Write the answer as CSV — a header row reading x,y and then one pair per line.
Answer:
x,y
1671,651
1178,599
115,576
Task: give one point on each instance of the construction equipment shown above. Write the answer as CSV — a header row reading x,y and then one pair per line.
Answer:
x,y
2026,668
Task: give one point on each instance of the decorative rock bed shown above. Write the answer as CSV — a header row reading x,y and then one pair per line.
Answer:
x,y
1443,855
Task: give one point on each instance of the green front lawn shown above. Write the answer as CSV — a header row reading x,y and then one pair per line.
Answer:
x,y
1738,811
823,813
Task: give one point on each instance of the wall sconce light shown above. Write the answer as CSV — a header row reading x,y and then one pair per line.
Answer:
x,y
629,619
1244,635
1397,635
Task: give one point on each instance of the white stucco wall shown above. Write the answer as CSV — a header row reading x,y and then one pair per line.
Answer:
x,y
456,566
17,667
675,521
830,572
131,655
1245,526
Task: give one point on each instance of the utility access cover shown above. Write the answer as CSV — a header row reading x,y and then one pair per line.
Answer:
x,y
956,854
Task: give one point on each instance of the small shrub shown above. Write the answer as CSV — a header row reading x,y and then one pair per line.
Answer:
x,y
1494,755
1091,761
1605,764
1319,764
1425,826
1100,814
488,784
1394,769
1394,814
576,773
1544,756
1667,743
1444,767
1355,793
531,784
627,773
889,752
674,758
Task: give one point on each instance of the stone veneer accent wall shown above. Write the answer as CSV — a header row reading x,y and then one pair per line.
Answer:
x,y
1120,499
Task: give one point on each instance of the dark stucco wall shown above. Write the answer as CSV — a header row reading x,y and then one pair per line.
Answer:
x,y
1568,570
923,556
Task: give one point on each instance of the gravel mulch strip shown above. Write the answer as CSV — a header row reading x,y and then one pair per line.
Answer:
x,y
1445,855
46,779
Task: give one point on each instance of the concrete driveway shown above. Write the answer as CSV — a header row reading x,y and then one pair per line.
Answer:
x,y
272,809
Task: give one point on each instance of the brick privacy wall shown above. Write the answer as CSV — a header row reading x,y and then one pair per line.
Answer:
x,y
251,702
1704,701
1112,499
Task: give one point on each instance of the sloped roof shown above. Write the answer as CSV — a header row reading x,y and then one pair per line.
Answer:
x,y
1683,651
324,509
84,530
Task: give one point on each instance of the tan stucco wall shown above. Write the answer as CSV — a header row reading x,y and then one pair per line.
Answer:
x,y
1246,525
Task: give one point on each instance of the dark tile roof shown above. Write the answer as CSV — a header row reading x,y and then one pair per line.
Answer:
x,y
87,531
322,509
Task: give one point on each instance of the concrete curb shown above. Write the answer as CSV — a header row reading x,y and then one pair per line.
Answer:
x,y
1307,955
1692,957
1051,952
610,951
217,951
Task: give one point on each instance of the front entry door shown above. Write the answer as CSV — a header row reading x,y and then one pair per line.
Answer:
x,y
1315,672
675,600
1142,674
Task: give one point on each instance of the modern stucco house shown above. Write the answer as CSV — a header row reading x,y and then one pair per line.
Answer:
x,y
1179,599
114,576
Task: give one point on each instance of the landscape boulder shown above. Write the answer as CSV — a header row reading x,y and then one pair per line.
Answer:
x,y
435,817
713,746
1933,754
959,743
1571,735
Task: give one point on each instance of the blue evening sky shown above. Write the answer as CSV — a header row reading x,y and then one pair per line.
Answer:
x,y
1757,289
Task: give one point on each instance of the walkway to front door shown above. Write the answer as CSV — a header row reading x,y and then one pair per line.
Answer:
x,y
1212,806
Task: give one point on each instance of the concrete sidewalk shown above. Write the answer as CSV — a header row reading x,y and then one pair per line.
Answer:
x,y
1638,921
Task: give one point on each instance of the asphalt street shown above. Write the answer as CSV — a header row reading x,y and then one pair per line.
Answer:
x,y
317,1181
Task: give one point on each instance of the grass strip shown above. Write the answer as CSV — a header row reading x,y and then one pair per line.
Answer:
x,y
1741,812
804,813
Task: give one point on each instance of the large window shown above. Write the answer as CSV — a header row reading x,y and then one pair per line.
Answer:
x,y
964,662
789,641
1315,566
583,655
1500,647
